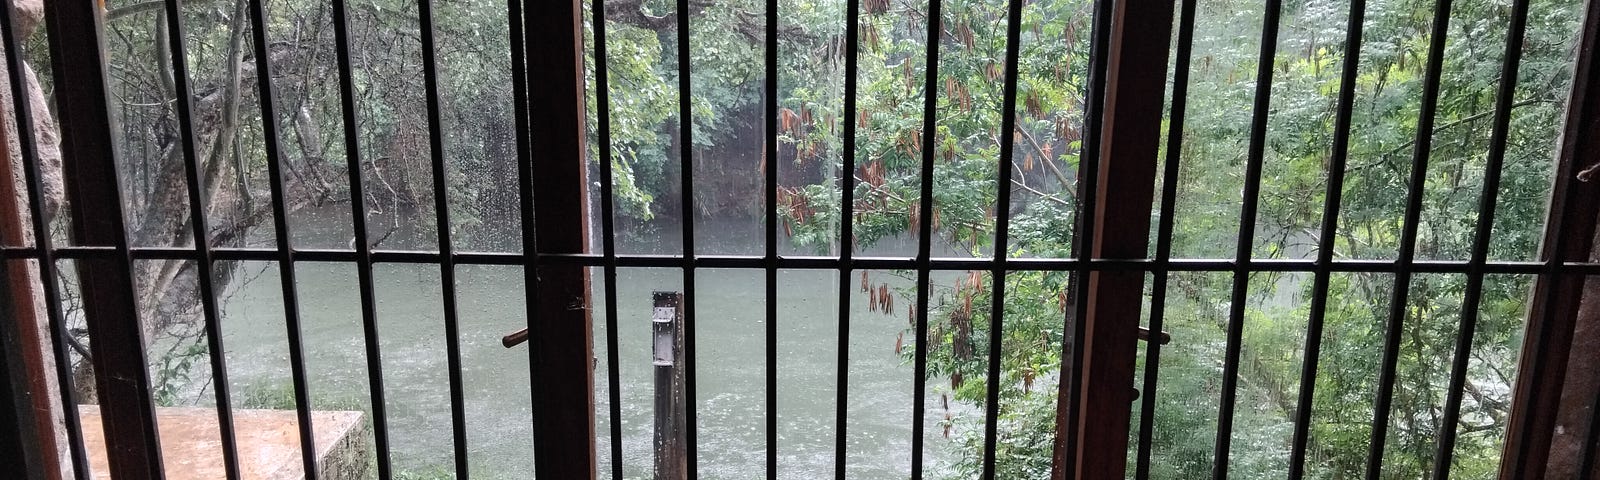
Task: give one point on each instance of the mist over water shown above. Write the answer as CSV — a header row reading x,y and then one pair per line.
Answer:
x,y
730,360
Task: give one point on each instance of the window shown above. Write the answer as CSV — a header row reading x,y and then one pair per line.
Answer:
x,y
1047,239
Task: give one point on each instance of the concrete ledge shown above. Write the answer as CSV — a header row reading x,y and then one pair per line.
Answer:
x,y
269,444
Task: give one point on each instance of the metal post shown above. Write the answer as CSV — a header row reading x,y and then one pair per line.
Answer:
x,y
666,330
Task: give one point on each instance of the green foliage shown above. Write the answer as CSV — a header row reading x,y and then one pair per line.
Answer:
x,y
175,369
1298,146
965,146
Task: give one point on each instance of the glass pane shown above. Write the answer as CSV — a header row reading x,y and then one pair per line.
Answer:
x,y
1187,399
495,378
808,362
635,366
730,363
878,439
410,315
258,360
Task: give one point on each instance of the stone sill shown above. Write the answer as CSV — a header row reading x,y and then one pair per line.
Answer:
x,y
268,443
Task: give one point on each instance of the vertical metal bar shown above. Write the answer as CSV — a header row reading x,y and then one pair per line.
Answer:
x,y
847,235
1422,147
925,233
26,412
563,348
1002,237
1066,452
201,229
1247,229
1557,294
1326,241
110,305
40,224
1129,146
362,244
441,212
1487,200
770,171
686,176
285,248
1169,198
608,241
525,191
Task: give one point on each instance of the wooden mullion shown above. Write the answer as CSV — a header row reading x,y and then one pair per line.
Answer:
x,y
1556,298
561,341
1137,72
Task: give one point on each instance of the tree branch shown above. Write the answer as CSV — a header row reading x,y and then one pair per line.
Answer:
x,y
136,8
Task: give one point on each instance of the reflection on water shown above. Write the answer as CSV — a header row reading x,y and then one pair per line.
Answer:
x,y
730,365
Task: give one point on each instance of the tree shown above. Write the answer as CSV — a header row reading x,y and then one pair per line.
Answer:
x,y
727,53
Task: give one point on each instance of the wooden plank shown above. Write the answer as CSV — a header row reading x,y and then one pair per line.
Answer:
x,y
561,342
109,307
1556,299
1137,72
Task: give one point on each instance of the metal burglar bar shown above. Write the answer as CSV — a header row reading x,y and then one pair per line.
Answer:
x,y
930,104
1255,156
280,228
447,265
1408,238
1066,457
363,247
608,240
1129,52
1002,224
1480,240
109,307
810,262
1169,197
201,230
771,163
1325,243
41,238
847,202
686,169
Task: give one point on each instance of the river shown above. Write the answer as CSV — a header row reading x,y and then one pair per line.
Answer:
x,y
731,364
